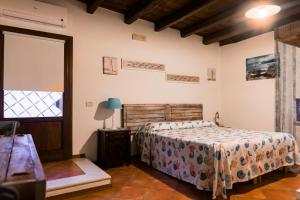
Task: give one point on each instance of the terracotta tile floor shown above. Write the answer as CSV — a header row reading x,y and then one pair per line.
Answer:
x,y
139,182
63,169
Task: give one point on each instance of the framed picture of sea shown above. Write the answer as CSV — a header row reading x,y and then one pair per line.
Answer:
x,y
298,109
261,67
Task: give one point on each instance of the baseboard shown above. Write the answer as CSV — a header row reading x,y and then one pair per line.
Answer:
x,y
79,156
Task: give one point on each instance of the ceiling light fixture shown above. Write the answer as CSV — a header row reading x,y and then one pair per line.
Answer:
x,y
262,11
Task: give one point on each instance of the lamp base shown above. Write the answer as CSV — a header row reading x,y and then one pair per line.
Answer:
x,y
113,126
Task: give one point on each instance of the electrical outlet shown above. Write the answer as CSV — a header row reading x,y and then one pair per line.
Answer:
x,y
139,37
89,104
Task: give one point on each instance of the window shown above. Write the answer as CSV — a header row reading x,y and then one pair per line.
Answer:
x,y
23,104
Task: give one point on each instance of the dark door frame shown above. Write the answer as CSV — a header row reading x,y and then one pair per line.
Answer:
x,y
68,85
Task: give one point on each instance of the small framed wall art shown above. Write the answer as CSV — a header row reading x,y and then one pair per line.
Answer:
x,y
211,74
182,78
110,65
137,65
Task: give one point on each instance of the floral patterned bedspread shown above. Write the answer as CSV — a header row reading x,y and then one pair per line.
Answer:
x,y
213,158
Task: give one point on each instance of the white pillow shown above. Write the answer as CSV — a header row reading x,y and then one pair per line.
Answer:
x,y
179,125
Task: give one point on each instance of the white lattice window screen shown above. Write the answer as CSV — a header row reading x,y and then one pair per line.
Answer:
x,y
23,104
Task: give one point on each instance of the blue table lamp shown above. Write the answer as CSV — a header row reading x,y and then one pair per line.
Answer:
x,y
113,103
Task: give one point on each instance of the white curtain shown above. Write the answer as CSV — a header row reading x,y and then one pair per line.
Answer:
x,y
287,88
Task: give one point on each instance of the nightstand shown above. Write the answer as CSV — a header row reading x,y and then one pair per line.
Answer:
x,y
113,147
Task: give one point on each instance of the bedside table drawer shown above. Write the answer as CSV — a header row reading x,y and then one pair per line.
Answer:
x,y
117,135
113,147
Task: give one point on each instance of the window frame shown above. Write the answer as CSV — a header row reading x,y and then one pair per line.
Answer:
x,y
66,119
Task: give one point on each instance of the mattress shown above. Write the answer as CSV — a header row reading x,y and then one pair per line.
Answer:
x,y
214,158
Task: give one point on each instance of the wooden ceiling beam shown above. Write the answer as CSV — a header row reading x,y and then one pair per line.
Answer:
x,y
253,33
92,5
284,17
139,10
241,37
233,13
180,15
288,33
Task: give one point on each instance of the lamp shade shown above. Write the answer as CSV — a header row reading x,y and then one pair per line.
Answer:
x,y
113,103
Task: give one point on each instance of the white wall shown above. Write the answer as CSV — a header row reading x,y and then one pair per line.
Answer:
x,y
242,104
247,104
105,34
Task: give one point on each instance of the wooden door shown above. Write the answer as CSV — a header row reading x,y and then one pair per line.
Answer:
x,y
52,135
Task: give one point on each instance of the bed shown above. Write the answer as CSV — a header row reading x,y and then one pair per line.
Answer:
x,y
199,152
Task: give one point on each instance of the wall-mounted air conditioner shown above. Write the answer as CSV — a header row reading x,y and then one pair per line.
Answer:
x,y
33,11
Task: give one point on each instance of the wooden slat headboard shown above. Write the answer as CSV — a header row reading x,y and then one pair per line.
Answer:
x,y
136,115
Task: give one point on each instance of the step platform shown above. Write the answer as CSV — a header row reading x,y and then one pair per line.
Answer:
x,y
90,179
